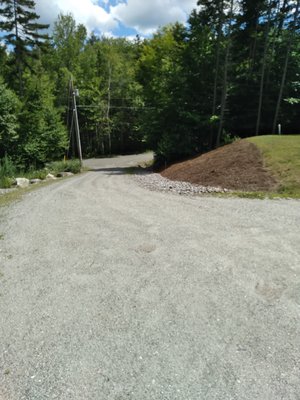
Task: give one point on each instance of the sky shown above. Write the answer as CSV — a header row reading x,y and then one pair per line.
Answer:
x,y
118,17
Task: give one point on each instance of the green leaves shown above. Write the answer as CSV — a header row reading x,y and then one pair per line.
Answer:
x,y
9,106
43,134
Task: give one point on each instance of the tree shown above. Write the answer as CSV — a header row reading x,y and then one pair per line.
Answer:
x,y
69,40
168,120
291,38
43,137
225,76
9,109
19,20
264,65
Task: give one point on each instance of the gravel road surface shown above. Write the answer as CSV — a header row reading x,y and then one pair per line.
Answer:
x,y
109,291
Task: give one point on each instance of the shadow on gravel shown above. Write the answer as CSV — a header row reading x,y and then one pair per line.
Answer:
x,y
121,170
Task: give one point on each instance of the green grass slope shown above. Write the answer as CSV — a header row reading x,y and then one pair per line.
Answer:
x,y
282,157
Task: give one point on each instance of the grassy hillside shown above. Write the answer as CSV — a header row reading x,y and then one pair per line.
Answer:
x,y
281,156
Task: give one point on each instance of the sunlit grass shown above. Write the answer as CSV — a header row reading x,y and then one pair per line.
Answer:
x,y
282,157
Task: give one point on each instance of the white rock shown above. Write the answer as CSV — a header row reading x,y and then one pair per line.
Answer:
x,y
50,176
155,181
22,182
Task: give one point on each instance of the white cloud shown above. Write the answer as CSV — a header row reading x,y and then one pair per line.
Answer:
x,y
87,12
145,16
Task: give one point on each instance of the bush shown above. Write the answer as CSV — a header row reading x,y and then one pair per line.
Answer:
x,y
5,182
7,168
227,138
36,174
65,166
7,172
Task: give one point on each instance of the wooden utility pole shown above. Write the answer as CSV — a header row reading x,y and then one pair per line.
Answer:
x,y
75,119
108,107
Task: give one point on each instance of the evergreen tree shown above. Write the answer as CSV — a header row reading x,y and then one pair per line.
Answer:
x,y
19,21
9,108
43,137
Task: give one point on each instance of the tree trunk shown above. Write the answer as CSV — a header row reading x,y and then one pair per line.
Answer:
x,y
281,17
285,68
220,26
18,50
262,79
225,78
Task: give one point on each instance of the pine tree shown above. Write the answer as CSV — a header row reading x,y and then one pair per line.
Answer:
x,y
19,21
9,109
43,137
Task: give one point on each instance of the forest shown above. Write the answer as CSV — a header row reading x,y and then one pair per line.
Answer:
x,y
232,70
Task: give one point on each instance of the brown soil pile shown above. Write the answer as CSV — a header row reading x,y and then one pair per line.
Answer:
x,y
237,166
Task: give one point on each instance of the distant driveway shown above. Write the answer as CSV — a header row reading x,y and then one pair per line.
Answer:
x,y
109,291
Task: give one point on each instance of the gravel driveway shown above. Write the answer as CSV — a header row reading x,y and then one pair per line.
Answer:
x,y
109,291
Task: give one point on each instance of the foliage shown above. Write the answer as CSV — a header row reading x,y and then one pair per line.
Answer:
x,y
9,107
35,173
7,172
7,168
227,138
5,182
19,21
43,136
233,68
65,166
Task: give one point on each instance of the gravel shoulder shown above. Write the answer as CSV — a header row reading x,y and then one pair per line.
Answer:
x,y
110,291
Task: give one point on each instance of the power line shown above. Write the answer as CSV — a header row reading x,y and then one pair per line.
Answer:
x,y
116,107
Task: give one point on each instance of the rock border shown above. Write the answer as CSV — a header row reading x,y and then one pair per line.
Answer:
x,y
156,182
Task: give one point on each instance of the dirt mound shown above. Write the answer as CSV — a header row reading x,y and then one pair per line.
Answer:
x,y
237,166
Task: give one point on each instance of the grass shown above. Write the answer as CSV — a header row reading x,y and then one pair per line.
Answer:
x,y
10,197
282,157
8,171
35,174
17,194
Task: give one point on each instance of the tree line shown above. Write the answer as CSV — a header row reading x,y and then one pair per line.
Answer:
x,y
232,70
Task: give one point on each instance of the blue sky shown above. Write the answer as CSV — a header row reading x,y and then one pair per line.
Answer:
x,y
118,17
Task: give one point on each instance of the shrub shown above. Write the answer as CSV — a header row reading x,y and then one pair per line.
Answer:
x,y
5,182
36,174
65,166
7,167
7,172
227,138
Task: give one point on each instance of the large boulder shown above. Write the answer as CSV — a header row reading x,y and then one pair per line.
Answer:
x,y
22,182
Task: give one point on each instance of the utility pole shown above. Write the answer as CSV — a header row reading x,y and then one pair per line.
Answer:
x,y
75,119
108,107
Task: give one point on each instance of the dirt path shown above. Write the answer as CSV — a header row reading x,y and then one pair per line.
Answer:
x,y
110,292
